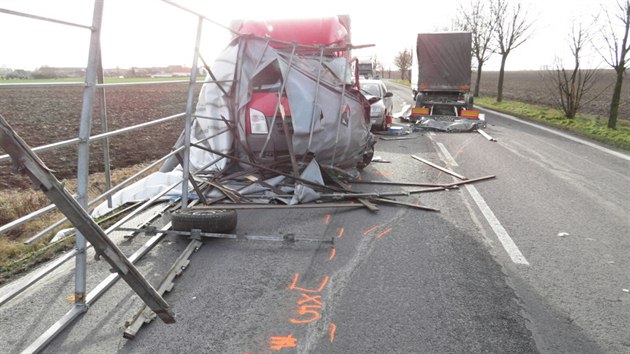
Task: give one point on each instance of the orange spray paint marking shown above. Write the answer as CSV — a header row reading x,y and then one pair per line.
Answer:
x,y
305,310
307,298
384,232
333,328
333,252
382,173
327,219
341,232
370,230
295,287
278,343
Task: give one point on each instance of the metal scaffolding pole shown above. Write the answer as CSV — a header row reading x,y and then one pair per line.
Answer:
x,y
188,119
83,161
104,128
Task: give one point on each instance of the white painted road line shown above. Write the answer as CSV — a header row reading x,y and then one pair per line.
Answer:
x,y
566,136
505,239
447,156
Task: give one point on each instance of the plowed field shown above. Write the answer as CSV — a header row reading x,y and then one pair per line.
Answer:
x,y
45,115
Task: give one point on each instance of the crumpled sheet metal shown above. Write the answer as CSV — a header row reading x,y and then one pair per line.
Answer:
x,y
340,124
450,126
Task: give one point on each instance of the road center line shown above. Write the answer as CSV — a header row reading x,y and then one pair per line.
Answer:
x,y
447,155
505,239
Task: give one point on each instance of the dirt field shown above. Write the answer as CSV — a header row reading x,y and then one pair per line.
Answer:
x,y
529,86
47,115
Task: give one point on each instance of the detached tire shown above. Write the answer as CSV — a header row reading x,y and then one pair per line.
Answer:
x,y
209,220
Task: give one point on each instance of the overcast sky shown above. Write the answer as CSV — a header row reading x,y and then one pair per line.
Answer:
x,y
146,33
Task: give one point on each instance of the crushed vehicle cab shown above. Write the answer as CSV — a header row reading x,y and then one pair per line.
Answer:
x,y
297,92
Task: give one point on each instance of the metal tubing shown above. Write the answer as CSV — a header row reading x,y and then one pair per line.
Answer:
x,y
17,222
42,85
103,114
83,151
31,165
454,174
265,168
319,77
280,206
340,113
37,276
398,183
486,135
275,112
188,119
199,15
41,18
100,136
146,83
97,199
42,341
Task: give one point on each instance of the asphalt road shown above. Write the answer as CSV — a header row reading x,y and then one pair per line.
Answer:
x,y
534,260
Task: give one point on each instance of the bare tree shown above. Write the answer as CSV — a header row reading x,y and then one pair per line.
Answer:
x,y
511,30
477,19
616,53
569,87
403,62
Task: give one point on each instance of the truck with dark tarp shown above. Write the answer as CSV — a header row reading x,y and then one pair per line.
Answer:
x,y
440,76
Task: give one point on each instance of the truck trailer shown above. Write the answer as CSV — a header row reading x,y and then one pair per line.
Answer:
x,y
441,75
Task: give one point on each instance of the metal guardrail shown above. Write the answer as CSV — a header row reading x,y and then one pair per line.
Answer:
x,y
94,85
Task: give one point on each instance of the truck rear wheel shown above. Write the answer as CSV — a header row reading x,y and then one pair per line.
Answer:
x,y
206,220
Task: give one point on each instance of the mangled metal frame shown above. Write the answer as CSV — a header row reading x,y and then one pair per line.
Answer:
x,y
312,87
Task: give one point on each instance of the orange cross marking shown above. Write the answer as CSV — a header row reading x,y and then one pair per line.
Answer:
x,y
370,230
307,310
384,232
294,286
277,343
382,173
308,298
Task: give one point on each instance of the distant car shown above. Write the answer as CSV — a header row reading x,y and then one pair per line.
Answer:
x,y
381,103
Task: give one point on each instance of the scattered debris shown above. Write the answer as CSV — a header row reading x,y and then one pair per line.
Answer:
x,y
379,159
454,174
447,124
486,135
399,138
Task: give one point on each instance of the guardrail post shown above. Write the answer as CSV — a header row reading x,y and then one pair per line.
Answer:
x,y
83,160
189,109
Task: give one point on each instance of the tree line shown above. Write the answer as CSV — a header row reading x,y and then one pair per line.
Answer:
x,y
500,26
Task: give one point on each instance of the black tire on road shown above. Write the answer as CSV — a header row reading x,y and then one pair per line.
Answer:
x,y
209,220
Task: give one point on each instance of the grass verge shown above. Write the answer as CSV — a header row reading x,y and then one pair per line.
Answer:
x,y
588,126
15,256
